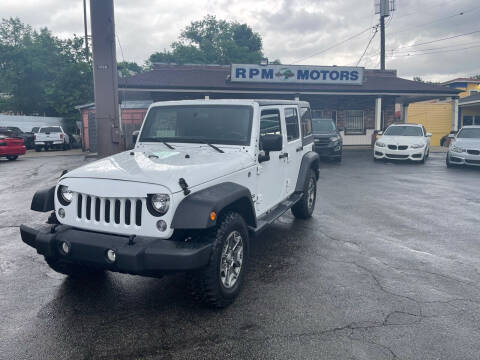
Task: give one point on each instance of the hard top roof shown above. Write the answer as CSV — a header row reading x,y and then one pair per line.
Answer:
x,y
260,102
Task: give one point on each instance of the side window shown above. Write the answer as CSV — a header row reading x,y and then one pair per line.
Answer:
x,y
306,122
270,122
291,121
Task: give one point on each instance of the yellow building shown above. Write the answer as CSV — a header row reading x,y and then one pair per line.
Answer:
x,y
436,115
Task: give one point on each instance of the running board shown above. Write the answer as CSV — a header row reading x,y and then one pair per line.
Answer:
x,y
275,213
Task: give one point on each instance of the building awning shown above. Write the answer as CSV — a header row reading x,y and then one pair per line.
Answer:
x,y
473,100
216,79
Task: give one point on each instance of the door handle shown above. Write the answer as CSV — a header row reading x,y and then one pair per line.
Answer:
x,y
284,155
299,148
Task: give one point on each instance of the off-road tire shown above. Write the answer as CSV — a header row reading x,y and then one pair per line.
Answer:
x,y
72,270
303,209
12,157
205,284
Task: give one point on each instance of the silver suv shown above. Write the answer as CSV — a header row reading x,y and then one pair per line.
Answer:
x,y
465,147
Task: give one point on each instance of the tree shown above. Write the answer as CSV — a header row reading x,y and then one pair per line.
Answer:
x,y
418,78
41,73
128,68
212,41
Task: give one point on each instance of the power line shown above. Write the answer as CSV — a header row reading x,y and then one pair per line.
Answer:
x,y
437,40
333,46
368,45
435,52
434,48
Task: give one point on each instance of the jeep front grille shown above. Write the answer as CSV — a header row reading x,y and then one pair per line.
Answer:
x,y
119,211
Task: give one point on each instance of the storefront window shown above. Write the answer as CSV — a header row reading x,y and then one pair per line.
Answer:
x,y
354,122
467,120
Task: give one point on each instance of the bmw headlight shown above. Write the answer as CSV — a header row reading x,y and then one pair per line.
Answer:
x,y
64,195
380,144
457,149
158,204
417,146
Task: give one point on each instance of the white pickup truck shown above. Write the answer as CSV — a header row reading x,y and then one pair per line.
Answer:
x,y
50,137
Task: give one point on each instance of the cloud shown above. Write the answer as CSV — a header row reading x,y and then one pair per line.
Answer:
x,y
291,29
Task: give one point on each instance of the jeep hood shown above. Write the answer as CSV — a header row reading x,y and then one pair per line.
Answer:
x,y
166,167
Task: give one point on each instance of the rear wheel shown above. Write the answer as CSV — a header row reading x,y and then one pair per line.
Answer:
x,y
12,157
73,270
303,209
219,283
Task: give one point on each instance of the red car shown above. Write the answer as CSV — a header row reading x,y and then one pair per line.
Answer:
x,y
11,147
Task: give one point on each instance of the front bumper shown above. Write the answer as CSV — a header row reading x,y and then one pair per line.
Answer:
x,y
143,256
463,159
330,150
408,154
49,143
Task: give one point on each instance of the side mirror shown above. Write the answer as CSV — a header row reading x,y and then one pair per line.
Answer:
x,y
380,133
340,129
135,136
451,136
429,134
271,142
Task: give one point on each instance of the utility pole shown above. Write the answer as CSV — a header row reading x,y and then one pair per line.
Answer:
x,y
382,42
105,77
383,7
85,27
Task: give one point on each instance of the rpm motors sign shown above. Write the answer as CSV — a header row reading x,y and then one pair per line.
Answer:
x,y
297,74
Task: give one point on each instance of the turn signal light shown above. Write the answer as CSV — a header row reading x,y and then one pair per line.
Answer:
x,y
213,216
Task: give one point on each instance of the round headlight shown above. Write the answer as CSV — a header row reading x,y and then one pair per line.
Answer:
x,y
65,196
160,203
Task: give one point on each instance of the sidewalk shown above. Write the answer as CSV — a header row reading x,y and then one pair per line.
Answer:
x,y
53,153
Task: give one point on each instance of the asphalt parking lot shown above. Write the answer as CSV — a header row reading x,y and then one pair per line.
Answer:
x,y
388,268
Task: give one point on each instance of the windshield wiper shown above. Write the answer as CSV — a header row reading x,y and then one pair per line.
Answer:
x,y
212,146
168,145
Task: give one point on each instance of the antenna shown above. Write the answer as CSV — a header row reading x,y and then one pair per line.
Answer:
x,y
383,8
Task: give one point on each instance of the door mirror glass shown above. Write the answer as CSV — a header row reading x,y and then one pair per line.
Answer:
x,y
429,135
271,142
135,136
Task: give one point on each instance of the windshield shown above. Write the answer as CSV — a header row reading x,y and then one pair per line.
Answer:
x,y
469,133
323,126
404,131
50,129
218,124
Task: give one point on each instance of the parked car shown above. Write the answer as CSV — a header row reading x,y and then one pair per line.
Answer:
x,y
403,142
328,141
204,176
17,132
11,147
465,147
35,130
51,137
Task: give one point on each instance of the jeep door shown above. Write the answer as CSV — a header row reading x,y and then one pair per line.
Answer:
x,y
293,147
270,173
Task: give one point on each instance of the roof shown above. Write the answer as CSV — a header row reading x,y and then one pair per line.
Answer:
x,y
472,99
406,124
462,80
261,102
215,78
129,104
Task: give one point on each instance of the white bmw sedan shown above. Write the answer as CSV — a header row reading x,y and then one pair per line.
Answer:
x,y
403,142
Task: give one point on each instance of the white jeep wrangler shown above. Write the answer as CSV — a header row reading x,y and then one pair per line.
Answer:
x,y
204,177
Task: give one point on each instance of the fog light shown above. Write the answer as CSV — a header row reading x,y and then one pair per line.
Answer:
x,y
161,225
61,212
65,247
111,256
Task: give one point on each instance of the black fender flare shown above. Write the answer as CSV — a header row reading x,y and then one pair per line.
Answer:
x,y
193,212
44,200
311,160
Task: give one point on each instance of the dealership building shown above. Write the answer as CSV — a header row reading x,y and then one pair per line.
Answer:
x,y
358,100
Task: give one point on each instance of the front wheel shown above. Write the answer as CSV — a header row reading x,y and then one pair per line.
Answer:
x,y
447,160
219,283
303,209
12,157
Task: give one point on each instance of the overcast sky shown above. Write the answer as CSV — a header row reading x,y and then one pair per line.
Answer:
x,y
292,29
